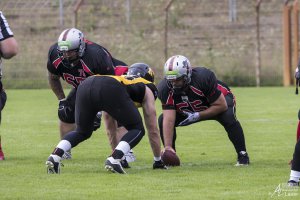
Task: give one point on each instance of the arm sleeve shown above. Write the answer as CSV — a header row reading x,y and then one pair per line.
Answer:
x,y
105,66
4,28
211,87
165,96
50,66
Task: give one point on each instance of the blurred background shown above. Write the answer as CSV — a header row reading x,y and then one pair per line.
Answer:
x,y
218,34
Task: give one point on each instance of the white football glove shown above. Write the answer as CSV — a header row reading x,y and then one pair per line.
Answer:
x,y
191,118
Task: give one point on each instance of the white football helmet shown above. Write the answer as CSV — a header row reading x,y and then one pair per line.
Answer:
x,y
176,68
71,40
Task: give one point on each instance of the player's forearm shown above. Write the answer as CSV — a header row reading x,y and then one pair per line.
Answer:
x,y
216,108
168,133
56,86
212,111
154,140
111,129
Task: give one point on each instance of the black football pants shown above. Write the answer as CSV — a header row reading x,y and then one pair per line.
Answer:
x,y
227,119
107,94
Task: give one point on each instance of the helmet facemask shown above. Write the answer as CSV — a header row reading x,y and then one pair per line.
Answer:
x,y
178,85
69,58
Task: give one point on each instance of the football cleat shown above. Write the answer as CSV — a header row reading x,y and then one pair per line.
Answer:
x,y
113,165
52,166
67,155
124,163
159,165
243,159
292,183
130,157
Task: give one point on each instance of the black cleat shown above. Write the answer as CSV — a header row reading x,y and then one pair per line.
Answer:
x,y
124,163
52,166
292,183
113,165
159,165
243,159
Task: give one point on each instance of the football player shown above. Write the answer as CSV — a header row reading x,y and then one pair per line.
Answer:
x,y
295,162
73,58
117,96
115,132
193,95
8,49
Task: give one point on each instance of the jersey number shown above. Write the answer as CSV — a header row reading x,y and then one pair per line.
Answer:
x,y
72,80
195,105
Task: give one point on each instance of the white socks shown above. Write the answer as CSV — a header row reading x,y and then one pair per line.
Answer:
x,y
124,147
295,176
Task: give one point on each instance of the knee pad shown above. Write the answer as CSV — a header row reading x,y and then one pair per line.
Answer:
x,y
66,114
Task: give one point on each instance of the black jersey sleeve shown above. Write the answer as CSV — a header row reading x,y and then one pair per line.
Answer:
x,y
165,96
136,92
209,84
52,55
105,65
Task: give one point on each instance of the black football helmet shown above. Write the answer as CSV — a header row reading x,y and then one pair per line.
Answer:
x,y
141,70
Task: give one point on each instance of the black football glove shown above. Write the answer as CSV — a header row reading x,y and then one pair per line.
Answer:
x,y
97,120
159,165
66,111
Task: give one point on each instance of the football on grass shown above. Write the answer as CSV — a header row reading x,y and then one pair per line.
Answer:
x,y
170,158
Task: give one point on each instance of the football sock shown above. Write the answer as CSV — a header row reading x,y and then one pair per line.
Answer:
x,y
295,175
157,158
65,145
121,149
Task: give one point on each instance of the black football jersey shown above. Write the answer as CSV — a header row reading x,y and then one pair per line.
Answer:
x,y
136,88
96,60
203,90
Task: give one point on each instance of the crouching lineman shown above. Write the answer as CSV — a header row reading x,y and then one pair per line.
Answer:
x,y
73,58
115,132
193,95
116,96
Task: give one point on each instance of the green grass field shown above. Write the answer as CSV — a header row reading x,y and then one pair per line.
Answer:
x,y
268,115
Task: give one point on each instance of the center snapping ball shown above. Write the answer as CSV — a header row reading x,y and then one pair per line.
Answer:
x,y
170,158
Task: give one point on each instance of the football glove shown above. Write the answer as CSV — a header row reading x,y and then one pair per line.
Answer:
x,y
159,165
191,118
66,111
97,120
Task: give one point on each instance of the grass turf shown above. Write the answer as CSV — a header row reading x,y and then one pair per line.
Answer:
x,y
268,115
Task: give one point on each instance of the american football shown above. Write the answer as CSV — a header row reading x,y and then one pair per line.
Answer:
x,y
170,158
